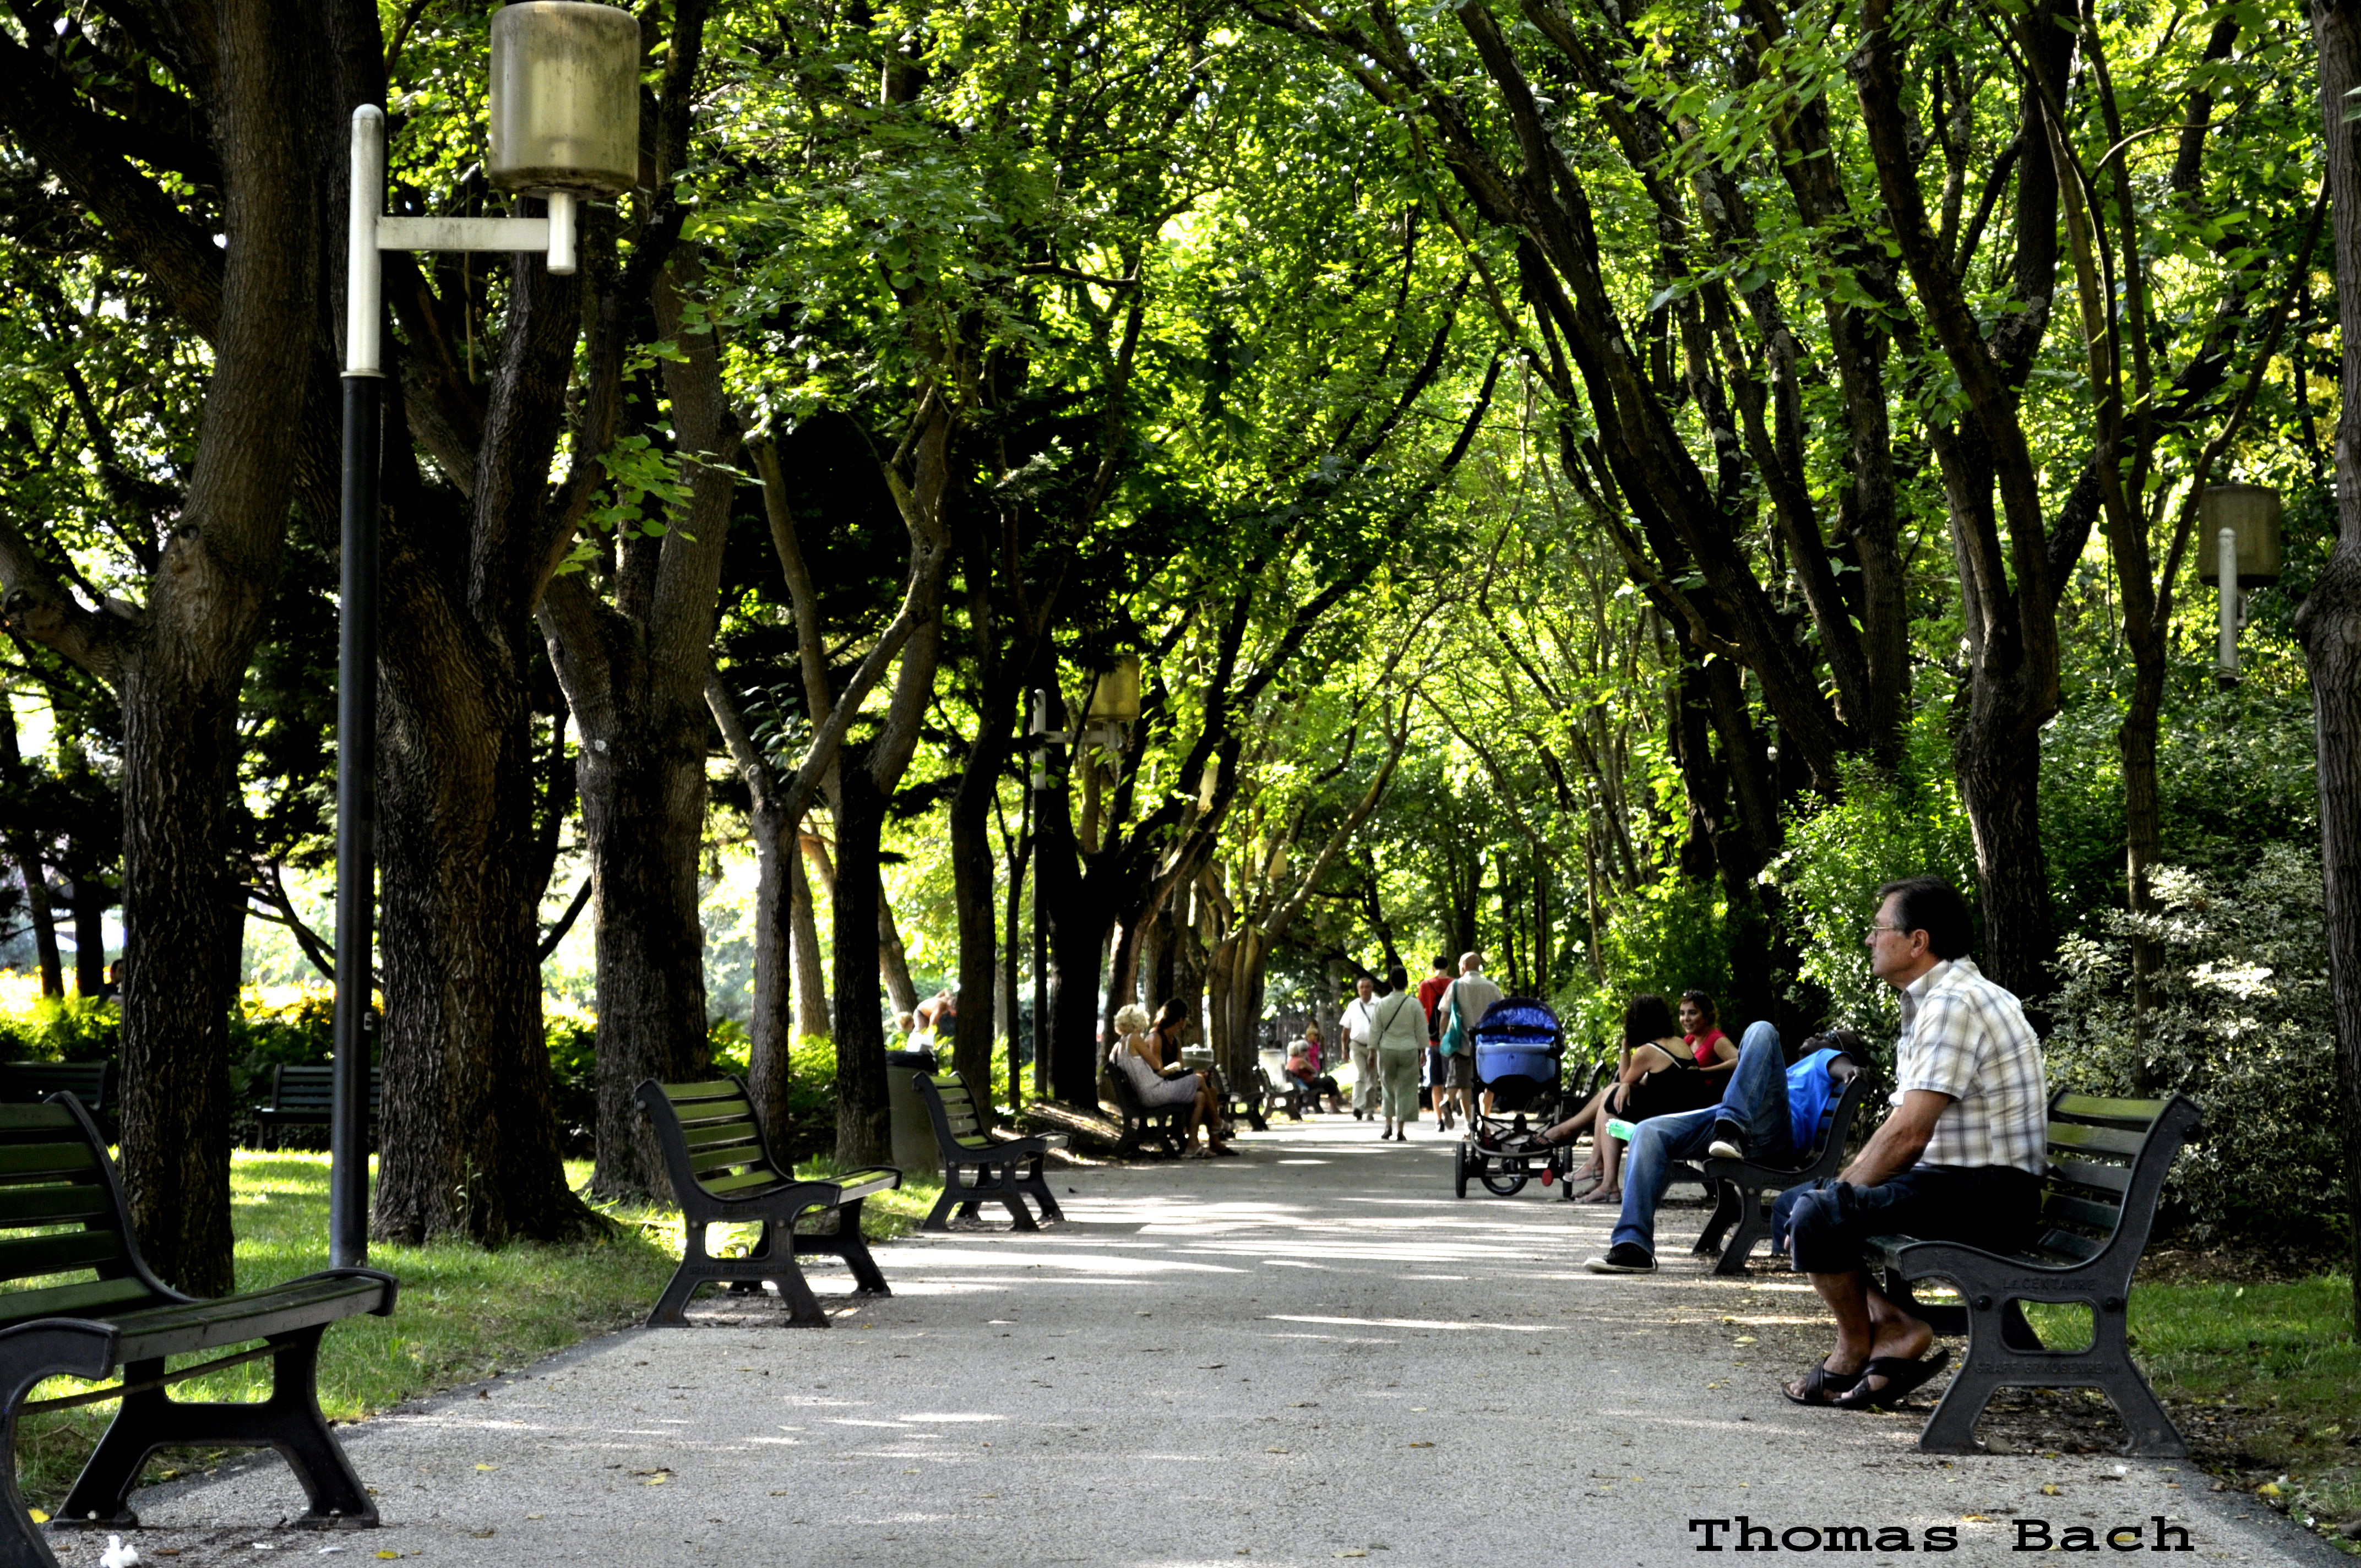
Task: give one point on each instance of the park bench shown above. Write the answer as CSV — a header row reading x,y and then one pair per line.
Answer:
x,y
2108,1159
1007,1172
1280,1092
305,1096
1740,1185
54,1173
1167,1122
92,1082
1244,1101
723,1174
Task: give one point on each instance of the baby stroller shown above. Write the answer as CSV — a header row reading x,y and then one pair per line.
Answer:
x,y
1520,1051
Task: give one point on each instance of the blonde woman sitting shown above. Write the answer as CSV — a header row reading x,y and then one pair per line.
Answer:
x,y
1156,1086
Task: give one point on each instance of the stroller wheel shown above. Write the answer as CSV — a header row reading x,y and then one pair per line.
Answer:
x,y
1507,1181
1459,1171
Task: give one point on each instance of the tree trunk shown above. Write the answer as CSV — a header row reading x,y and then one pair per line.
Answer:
x,y
2330,621
863,1131
811,974
975,871
634,675
88,908
771,1029
26,849
1998,759
893,959
2143,838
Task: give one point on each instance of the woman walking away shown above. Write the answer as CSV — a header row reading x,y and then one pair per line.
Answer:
x,y
1135,1056
1399,1025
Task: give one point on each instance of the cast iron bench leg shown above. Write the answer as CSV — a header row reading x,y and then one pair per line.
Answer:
x,y
290,1420
938,1217
2153,1435
847,1242
1037,1186
35,1354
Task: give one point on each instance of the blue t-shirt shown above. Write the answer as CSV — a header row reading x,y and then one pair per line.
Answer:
x,y
1809,1090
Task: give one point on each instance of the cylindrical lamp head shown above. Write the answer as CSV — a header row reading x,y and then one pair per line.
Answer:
x,y
1115,696
2252,512
566,97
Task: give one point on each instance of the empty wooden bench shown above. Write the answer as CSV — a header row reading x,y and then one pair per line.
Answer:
x,y
92,1082
305,1096
96,1307
2108,1159
723,1174
1006,1171
1740,1185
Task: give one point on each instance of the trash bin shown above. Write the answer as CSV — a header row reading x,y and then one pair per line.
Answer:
x,y
913,1131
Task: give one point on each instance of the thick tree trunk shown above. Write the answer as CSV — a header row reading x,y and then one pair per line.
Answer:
x,y
771,1029
1998,758
864,1134
2330,621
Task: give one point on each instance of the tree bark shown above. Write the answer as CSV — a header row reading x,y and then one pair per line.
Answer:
x,y
2330,621
811,974
635,673
26,850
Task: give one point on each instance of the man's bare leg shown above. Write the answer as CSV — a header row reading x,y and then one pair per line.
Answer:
x,y
1869,1326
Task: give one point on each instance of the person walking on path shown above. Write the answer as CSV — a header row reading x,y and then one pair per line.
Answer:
x,y
1362,1041
1430,992
1469,998
1401,1033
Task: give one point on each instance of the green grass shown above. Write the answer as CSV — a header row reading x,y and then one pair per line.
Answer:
x,y
2265,1378
463,1313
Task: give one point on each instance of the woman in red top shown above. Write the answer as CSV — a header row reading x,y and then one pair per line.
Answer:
x,y
1699,1029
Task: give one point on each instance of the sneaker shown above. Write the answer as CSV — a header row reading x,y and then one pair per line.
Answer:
x,y
1728,1141
1624,1257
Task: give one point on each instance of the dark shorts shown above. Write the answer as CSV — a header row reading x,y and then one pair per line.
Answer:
x,y
1993,1208
1462,1069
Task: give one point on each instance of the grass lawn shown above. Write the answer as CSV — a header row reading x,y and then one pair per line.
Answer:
x,y
2264,1381
463,1313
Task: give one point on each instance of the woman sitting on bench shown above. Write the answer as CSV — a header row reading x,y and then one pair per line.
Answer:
x,y
1157,1085
1312,1080
1662,1072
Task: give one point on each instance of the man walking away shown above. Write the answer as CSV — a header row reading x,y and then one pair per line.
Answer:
x,y
1470,997
1361,1040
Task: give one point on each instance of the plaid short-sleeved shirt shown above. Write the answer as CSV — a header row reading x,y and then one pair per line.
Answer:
x,y
1964,1037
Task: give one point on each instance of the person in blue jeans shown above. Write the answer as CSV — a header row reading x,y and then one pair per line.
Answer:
x,y
1770,1113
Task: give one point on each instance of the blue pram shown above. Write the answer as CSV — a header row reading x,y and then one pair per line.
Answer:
x,y
1520,1052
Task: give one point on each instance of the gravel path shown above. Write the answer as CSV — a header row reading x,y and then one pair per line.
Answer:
x,y
1311,1353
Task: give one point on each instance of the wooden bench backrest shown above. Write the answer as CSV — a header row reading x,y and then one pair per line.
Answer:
x,y
2108,1159
29,1083
65,1244
710,1138
952,1108
307,1087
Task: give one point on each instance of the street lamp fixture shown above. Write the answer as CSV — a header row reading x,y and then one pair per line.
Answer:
x,y
2241,525
565,124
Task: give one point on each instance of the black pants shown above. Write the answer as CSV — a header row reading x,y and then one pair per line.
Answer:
x,y
1993,1208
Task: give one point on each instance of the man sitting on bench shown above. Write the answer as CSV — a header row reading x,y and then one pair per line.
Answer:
x,y
1961,1159
1766,1114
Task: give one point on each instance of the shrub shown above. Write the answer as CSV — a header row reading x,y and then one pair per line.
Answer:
x,y
70,1028
2241,1023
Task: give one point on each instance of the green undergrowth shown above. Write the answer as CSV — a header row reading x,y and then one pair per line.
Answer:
x,y
464,1313
2265,1380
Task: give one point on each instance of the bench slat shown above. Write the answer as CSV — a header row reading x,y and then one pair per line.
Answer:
x,y
747,1150
182,1327
2101,1140
712,1090
761,1175
2080,1249
2082,1211
739,1130
69,1300
46,1159
53,1204
848,1191
35,1118
26,1256
714,1114
2101,1108
2117,1179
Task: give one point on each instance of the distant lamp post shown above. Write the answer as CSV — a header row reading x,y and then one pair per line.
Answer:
x,y
2242,550
565,124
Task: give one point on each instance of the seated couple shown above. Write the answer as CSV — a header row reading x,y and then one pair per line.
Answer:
x,y
1961,1158
1302,1069
1149,1057
1664,1069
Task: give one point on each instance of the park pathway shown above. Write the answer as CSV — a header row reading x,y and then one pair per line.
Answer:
x,y
1311,1353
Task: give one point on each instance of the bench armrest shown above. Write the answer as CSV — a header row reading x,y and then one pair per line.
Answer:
x,y
862,1184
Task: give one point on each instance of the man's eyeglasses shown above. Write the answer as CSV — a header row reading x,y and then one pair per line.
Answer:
x,y
1871,933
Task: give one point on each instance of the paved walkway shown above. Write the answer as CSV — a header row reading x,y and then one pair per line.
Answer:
x,y
1311,1353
